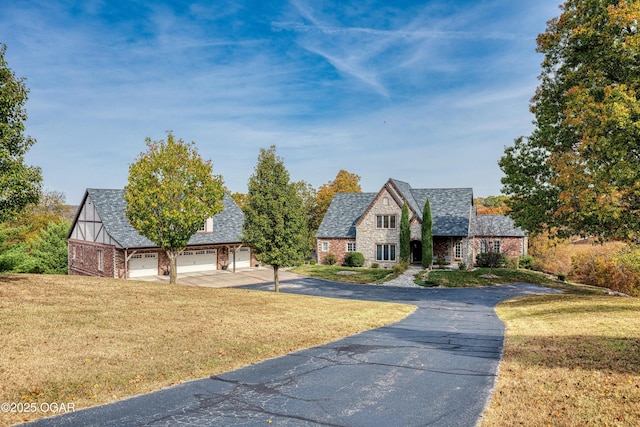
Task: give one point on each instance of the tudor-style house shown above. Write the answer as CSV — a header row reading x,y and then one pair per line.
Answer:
x,y
103,243
369,223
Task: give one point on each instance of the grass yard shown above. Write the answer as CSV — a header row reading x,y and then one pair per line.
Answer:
x,y
336,273
91,341
498,276
569,360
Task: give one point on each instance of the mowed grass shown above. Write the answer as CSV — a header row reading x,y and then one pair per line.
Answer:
x,y
569,360
337,273
487,277
92,341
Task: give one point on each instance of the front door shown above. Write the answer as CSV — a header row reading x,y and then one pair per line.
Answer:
x,y
416,251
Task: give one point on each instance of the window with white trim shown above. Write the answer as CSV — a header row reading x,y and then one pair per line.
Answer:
x,y
100,260
351,246
490,246
324,246
386,221
386,252
457,249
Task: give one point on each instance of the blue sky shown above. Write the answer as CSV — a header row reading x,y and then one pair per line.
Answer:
x,y
429,92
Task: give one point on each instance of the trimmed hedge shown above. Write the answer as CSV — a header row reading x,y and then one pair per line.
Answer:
x,y
491,260
354,259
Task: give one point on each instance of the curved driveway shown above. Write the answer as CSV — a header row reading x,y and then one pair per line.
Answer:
x,y
434,368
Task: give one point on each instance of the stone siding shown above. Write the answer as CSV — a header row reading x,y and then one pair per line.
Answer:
x,y
368,235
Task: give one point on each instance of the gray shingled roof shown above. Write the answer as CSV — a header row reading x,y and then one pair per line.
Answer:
x,y
496,226
344,212
450,210
111,205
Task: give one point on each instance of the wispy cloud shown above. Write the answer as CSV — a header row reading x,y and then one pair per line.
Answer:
x,y
424,91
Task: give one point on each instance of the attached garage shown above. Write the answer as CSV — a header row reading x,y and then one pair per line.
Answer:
x,y
145,264
243,258
194,261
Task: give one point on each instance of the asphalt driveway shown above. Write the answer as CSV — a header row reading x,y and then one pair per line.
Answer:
x,y
436,367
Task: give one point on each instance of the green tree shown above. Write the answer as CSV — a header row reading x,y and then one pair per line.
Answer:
x,y
427,236
308,198
405,234
578,173
171,192
49,250
14,251
274,225
19,183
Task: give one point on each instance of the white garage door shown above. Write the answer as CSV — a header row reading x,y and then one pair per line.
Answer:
x,y
243,258
192,261
141,265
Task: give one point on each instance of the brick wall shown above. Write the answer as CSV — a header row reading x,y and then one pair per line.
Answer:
x,y
84,259
338,247
510,246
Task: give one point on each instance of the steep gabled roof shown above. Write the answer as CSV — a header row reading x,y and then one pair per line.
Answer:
x,y
344,212
110,205
450,210
405,191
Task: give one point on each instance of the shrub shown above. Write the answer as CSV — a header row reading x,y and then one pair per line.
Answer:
x,y
491,260
354,259
526,261
462,266
375,265
441,262
329,259
400,267
513,262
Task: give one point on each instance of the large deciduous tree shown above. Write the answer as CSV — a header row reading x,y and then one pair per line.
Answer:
x,y
579,170
275,223
171,192
19,183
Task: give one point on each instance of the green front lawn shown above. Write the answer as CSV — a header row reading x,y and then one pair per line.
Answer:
x,y
336,273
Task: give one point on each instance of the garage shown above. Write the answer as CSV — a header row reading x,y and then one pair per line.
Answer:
x,y
141,265
194,261
243,258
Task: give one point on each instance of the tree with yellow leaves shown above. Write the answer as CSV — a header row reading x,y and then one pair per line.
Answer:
x,y
579,171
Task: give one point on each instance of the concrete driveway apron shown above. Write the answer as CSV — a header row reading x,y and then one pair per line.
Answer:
x,y
436,367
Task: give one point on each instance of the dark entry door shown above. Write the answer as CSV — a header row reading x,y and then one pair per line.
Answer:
x,y
416,251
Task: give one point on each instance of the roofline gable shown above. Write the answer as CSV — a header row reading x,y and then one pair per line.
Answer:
x,y
378,194
392,182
